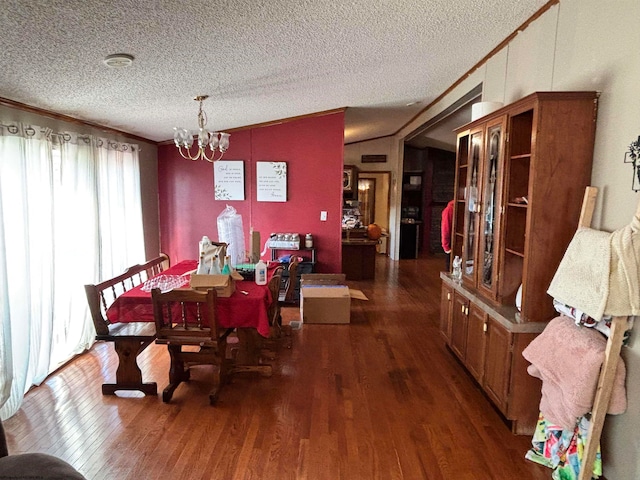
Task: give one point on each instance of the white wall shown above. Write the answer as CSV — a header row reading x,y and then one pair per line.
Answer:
x,y
584,45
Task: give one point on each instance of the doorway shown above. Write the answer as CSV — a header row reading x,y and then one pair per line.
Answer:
x,y
374,190
367,197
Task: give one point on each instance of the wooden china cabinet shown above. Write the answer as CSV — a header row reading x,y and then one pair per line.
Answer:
x,y
521,173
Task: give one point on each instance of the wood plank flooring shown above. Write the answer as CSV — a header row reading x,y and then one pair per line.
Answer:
x,y
381,398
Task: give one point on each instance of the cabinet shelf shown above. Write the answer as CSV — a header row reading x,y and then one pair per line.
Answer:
x,y
524,156
299,251
514,252
518,205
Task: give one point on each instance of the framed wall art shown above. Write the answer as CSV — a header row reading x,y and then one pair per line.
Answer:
x,y
228,180
271,178
348,179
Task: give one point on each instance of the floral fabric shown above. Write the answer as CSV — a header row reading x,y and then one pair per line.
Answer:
x,y
562,450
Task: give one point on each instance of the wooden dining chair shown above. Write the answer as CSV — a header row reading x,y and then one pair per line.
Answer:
x,y
276,331
286,296
274,309
187,318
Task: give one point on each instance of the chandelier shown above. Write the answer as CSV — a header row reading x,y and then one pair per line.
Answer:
x,y
183,138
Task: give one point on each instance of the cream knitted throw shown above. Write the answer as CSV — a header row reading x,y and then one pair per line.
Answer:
x,y
599,272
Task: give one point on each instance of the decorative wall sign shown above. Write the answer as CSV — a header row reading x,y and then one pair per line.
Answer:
x,y
228,180
271,180
373,158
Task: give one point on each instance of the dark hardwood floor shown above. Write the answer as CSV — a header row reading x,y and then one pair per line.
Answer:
x,y
381,398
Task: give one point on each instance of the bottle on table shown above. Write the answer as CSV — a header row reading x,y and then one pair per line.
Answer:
x,y
226,270
261,273
202,268
215,266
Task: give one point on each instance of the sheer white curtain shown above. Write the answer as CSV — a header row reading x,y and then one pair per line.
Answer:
x,y
120,207
52,235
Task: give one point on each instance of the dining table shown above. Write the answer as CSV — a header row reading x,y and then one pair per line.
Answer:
x,y
245,311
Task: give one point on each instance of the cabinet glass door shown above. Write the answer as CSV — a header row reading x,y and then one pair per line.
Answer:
x,y
460,197
472,207
492,172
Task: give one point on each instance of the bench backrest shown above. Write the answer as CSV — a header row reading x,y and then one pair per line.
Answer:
x,y
101,295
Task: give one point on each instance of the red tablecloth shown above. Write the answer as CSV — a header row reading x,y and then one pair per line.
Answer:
x,y
237,311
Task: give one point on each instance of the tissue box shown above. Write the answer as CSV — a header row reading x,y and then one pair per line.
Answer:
x,y
224,284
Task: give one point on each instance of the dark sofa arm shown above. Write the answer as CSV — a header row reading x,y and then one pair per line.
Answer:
x,y
33,465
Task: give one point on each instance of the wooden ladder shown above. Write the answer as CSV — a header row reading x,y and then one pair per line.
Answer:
x,y
610,364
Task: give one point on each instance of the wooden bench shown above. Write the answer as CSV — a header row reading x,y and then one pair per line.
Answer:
x,y
129,339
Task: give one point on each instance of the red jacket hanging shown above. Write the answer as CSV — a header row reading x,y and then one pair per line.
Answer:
x,y
445,226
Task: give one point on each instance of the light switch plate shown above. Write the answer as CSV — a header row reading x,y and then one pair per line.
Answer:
x,y
323,216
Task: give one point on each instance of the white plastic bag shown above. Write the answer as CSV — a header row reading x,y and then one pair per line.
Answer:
x,y
231,232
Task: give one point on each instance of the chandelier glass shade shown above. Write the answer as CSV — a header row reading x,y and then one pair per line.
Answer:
x,y
215,141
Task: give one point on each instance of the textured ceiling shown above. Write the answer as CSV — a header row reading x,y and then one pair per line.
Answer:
x,y
259,60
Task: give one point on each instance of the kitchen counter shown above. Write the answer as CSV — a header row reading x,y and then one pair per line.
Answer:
x,y
359,241
359,258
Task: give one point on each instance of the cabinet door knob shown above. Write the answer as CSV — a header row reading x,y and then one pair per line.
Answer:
x,y
448,296
484,327
462,309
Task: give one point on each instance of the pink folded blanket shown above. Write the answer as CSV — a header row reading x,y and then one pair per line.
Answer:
x,y
567,358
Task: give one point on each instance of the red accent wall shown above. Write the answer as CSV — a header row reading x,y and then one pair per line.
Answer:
x,y
313,149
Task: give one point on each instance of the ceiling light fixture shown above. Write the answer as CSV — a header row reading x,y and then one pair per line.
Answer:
x,y
118,60
183,138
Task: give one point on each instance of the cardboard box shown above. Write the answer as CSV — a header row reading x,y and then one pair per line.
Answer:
x,y
324,298
224,284
323,279
325,304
